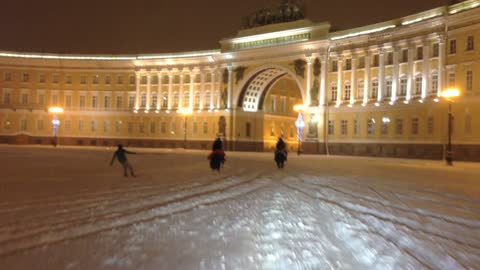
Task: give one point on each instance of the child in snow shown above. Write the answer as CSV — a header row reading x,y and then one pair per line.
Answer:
x,y
217,156
120,154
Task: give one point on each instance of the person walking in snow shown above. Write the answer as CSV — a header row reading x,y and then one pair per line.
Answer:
x,y
217,156
120,154
280,153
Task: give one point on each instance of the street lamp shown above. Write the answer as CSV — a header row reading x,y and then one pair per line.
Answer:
x,y
185,113
449,94
299,124
55,122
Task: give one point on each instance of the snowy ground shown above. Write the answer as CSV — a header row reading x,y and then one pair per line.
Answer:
x,y
66,208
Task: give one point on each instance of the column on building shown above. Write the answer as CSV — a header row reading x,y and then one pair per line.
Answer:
x,y
395,75
381,74
149,93
159,91
339,79
218,89
137,91
366,80
170,89
323,79
425,68
353,79
410,78
308,81
212,88
192,79
441,62
202,89
180,91
230,87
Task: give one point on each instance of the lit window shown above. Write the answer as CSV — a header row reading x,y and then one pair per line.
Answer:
x,y
371,126
414,126
348,91
434,84
56,78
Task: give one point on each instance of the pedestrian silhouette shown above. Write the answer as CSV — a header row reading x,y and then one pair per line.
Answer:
x,y
280,153
120,154
217,156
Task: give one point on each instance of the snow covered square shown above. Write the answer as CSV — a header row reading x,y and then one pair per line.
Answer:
x,y
67,208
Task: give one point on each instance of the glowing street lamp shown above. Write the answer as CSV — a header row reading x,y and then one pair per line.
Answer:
x,y
299,124
55,122
449,94
185,112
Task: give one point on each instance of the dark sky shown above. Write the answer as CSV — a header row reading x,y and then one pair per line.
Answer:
x,y
162,26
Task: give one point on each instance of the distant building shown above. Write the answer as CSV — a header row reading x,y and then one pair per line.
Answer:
x,y
373,90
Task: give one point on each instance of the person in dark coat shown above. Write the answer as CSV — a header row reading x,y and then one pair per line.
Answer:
x,y
120,154
217,156
280,153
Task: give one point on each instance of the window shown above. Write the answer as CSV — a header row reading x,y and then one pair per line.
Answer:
x,y
56,78
404,55
175,100
106,126
376,60
205,128
344,127
356,127
469,80
119,102
331,127
41,99
334,66
272,131
143,100
470,43
6,98
436,50
186,99
334,92
418,85
106,102
173,127
273,104
95,79
399,126
360,89
83,79
419,53
94,125
207,99
371,126
23,124
154,100
451,79
196,101
68,79
348,64
388,88
434,85
152,127
25,77
163,127
154,80
131,101
7,76
468,124
39,124
283,104
81,125
94,101
414,126
24,99
195,128
143,80
55,99
385,124
348,91
403,87
361,62
68,101
430,125
390,58
374,89
248,129
119,79
453,47
108,79
82,102
165,100
42,78
131,80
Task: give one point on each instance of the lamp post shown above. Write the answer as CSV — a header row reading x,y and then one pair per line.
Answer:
x,y
55,122
185,113
449,94
299,124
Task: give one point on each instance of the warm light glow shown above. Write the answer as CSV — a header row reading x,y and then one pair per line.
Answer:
x,y
270,35
450,93
186,111
364,32
55,110
299,107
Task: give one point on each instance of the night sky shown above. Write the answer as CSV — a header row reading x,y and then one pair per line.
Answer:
x,y
162,26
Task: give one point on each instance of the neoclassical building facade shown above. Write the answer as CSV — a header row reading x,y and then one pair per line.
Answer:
x,y
374,90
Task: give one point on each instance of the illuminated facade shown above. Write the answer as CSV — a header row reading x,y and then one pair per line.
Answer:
x,y
373,90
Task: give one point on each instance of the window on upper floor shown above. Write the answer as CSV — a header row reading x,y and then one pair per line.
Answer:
x,y
344,127
469,80
131,79
374,93
42,78
371,126
348,92
7,76
404,55
81,101
143,80
25,77
131,101
94,101
452,49
403,87
390,58
361,62
68,79
24,99
418,85
356,127
56,78
451,79
434,84
119,79
470,43
414,128
107,79
436,50
334,92
360,89
388,88
430,125
334,66
119,102
68,101
95,79
420,53
348,64
83,79
399,126
331,127
376,60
